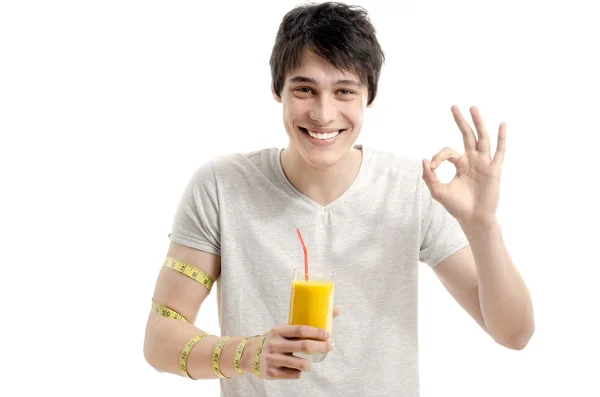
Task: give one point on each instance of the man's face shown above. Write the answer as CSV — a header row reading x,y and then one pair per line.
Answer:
x,y
323,110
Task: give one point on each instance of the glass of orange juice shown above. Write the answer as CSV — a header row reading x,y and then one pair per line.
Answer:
x,y
311,303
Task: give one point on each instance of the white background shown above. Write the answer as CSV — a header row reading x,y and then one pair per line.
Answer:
x,y
107,108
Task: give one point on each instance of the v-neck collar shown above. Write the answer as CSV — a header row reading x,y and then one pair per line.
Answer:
x,y
292,189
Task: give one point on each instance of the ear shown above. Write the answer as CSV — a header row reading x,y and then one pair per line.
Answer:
x,y
275,96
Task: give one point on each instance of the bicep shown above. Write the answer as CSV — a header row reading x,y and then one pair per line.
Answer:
x,y
181,292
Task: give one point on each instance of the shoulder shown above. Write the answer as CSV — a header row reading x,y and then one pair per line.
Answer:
x,y
234,167
394,165
393,175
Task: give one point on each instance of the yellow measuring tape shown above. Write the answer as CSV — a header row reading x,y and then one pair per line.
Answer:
x,y
185,352
190,271
256,358
237,357
216,357
166,311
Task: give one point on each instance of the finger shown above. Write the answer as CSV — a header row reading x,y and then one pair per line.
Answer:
x,y
283,373
301,331
483,139
336,311
299,346
501,146
446,153
465,128
431,180
288,361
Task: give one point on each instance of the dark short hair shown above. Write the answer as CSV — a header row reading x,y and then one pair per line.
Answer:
x,y
341,34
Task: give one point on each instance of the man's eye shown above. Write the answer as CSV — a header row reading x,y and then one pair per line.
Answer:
x,y
346,92
304,90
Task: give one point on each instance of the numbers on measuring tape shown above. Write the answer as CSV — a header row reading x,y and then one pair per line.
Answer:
x,y
166,311
190,271
185,351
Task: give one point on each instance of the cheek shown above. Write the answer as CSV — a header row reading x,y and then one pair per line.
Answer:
x,y
294,108
354,113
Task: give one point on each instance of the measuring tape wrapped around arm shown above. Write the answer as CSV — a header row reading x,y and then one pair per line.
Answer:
x,y
170,313
190,271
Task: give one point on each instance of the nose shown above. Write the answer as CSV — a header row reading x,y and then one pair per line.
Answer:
x,y
323,111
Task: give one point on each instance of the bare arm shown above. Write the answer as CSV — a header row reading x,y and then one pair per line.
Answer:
x,y
482,278
485,282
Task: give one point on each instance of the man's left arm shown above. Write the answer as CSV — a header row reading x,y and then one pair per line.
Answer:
x,y
484,281
481,277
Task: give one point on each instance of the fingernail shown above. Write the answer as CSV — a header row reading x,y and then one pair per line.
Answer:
x,y
327,335
433,164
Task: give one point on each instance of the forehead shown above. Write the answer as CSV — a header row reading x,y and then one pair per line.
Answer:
x,y
316,68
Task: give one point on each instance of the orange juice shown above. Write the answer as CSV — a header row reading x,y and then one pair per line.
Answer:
x,y
311,303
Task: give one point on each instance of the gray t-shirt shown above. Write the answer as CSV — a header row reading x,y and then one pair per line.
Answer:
x,y
243,208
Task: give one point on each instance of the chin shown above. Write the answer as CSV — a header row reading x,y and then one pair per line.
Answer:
x,y
323,158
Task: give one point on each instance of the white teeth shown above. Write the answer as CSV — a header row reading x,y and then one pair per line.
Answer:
x,y
320,135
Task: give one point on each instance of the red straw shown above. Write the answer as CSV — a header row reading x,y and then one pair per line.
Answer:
x,y
305,255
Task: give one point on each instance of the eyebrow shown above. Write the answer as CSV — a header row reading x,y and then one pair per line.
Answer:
x,y
302,79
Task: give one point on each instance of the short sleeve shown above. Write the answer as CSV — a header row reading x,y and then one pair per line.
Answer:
x,y
196,221
441,234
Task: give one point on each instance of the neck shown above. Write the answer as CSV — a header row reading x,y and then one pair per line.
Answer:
x,y
322,185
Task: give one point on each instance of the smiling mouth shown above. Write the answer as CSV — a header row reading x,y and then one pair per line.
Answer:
x,y
321,135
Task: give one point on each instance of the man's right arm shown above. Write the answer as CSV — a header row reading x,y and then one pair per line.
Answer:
x,y
165,337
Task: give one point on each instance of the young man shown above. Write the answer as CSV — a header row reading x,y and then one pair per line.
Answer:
x,y
370,215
